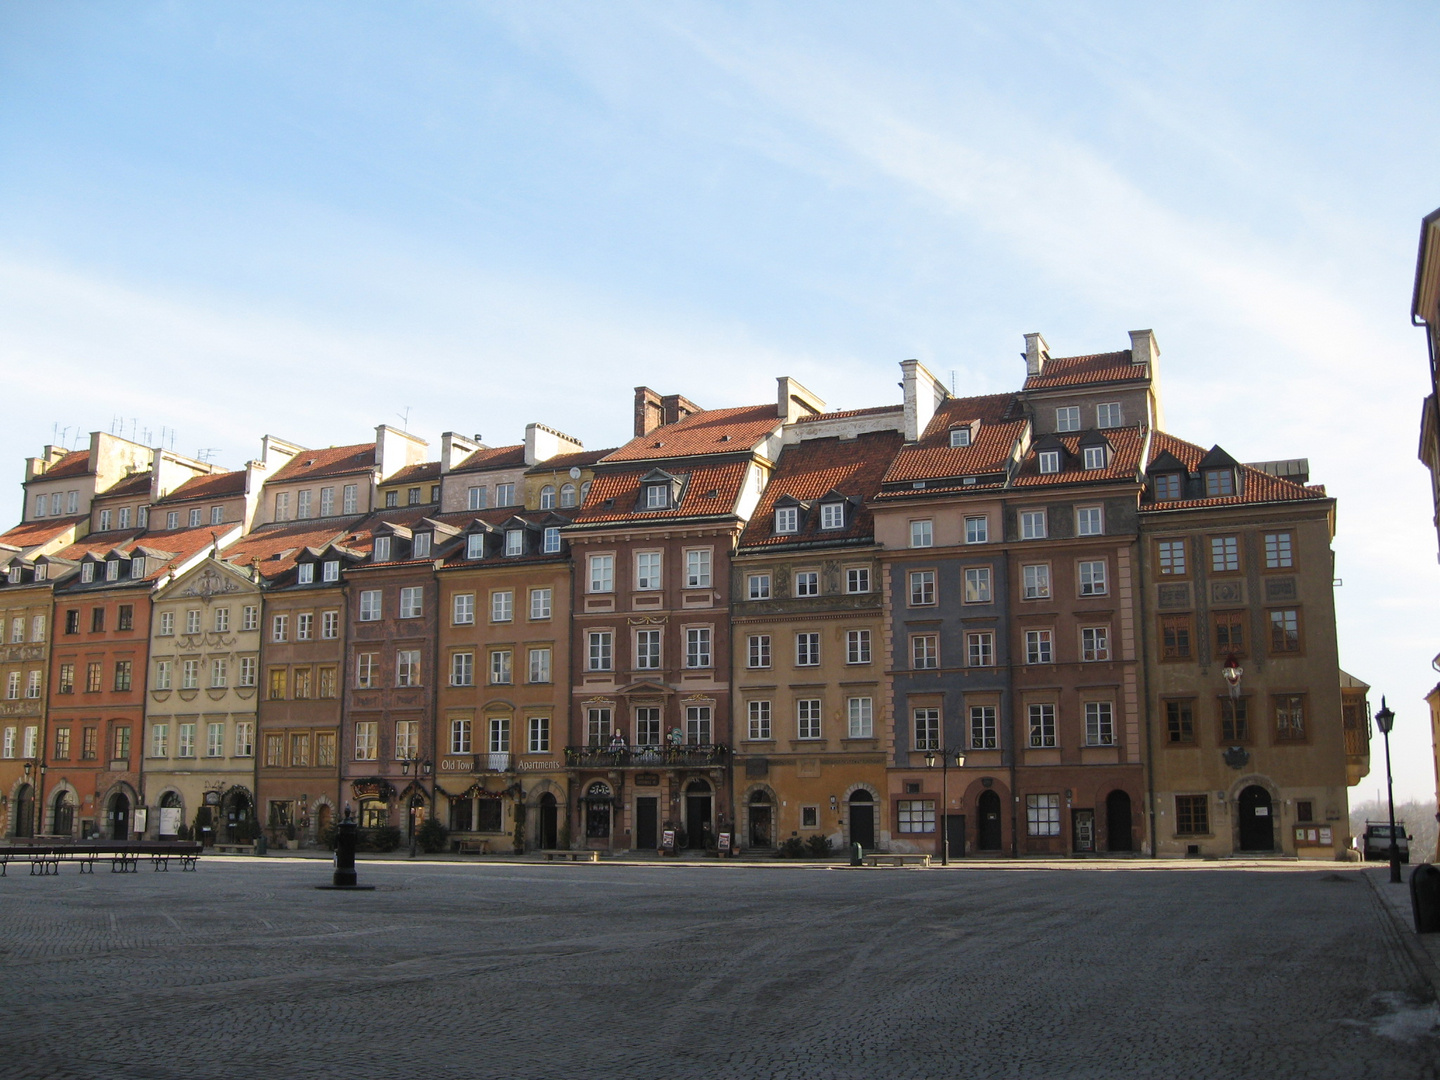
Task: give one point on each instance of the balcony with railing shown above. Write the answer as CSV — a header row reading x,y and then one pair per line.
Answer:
x,y
616,756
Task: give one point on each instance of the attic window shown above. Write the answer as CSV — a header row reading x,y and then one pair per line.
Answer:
x,y
1049,461
1219,482
420,546
960,436
412,497
87,573
305,573
657,496
514,542
330,570
787,519
41,571
14,575
137,567
382,549
112,570
1094,457
475,546
832,515
1167,487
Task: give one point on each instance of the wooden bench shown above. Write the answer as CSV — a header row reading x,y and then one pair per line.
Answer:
x,y
573,856
885,859
474,847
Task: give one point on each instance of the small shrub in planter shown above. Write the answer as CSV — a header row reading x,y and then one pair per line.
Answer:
x,y
432,836
818,847
184,832
327,837
793,848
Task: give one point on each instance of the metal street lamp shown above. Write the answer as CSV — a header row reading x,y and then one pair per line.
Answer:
x,y
406,765
944,756
1385,719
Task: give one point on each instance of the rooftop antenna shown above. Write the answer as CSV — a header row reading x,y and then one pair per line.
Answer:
x,y
203,454
952,382
405,420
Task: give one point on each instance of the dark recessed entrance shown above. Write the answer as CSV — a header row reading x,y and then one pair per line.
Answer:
x,y
25,811
1257,823
862,819
698,802
64,816
647,823
987,808
1118,828
762,820
119,816
549,822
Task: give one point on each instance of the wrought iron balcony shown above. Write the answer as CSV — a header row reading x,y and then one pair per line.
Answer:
x,y
646,757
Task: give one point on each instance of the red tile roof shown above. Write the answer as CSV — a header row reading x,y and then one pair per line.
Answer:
x,y
1256,486
276,546
561,462
709,490
162,550
1126,445
841,414
34,533
134,484
215,486
413,474
332,461
815,467
359,535
1080,370
933,458
493,457
75,463
711,431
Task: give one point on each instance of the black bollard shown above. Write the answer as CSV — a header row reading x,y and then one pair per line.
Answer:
x,y
346,835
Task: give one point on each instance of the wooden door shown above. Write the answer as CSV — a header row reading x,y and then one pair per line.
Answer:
x,y
955,834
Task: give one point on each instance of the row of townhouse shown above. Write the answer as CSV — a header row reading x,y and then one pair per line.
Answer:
x,y
1025,623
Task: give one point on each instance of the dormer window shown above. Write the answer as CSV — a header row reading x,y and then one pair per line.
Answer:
x,y
1049,461
137,567
41,571
1167,487
305,573
420,546
657,496
382,549
330,570
552,540
832,515
14,576
514,542
960,436
1219,482
787,519
112,570
475,546
1094,457
87,573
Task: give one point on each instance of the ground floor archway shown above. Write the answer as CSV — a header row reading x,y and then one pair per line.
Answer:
x,y
1119,823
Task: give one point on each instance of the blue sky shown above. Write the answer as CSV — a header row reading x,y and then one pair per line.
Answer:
x,y
302,218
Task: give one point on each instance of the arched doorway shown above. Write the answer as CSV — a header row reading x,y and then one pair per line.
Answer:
x,y
862,819
698,808
172,814
988,834
598,798
414,814
324,815
549,822
1257,824
1118,825
25,811
119,814
762,819
236,812
63,816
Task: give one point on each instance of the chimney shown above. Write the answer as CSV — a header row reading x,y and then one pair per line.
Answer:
x,y
1037,351
455,448
794,401
542,443
674,408
922,393
647,410
1143,348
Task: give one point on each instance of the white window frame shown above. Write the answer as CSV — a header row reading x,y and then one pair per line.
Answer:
x,y
502,606
787,520
832,515
1034,525
757,586
462,609
1049,461
601,577
648,571
698,568
922,533
861,712
1067,418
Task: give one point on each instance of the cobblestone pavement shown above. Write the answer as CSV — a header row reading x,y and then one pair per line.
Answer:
x,y
524,971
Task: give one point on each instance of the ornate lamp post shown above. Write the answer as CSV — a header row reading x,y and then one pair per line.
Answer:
x,y
407,765
944,756
1385,718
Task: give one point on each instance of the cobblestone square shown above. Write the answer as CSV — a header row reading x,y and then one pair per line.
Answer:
x,y
527,971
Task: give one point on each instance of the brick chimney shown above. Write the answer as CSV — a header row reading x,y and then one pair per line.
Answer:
x,y
675,408
1037,352
647,410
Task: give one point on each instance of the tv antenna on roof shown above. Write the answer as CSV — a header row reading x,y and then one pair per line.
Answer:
x,y
405,420
203,454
